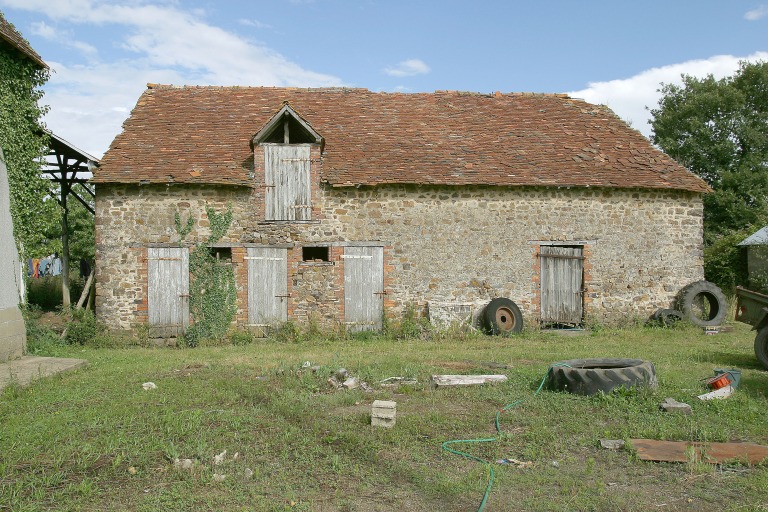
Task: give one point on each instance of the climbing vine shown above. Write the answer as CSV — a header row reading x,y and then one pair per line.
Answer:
x,y
23,145
212,290
183,230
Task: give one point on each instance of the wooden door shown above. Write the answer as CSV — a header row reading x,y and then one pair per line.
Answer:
x,y
286,173
267,286
167,291
562,282
363,288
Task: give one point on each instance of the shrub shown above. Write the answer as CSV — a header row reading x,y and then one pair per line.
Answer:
x,y
41,339
85,329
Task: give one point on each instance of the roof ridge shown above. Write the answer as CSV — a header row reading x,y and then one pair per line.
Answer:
x,y
10,33
152,85
496,94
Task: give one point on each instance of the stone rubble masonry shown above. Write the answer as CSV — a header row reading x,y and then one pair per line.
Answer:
x,y
441,244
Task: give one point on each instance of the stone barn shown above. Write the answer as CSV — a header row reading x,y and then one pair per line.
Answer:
x,y
349,206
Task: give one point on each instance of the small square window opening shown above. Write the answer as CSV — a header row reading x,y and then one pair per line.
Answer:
x,y
314,253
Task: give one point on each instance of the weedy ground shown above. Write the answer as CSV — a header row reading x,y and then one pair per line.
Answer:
x,y
95,440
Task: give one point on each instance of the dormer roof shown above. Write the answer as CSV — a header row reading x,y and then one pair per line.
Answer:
x,y
287,127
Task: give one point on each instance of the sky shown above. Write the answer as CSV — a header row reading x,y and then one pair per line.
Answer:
x,y
618,53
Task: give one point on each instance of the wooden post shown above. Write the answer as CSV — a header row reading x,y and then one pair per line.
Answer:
x,y
65,298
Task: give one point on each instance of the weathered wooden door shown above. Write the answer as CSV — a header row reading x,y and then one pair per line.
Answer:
x,y
363,288
286,173
267,286
167,291
562,281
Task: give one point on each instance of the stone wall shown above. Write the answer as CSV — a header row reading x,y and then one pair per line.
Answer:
x,y
442,245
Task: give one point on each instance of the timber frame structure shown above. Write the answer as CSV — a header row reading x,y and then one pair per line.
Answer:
x,y
68,167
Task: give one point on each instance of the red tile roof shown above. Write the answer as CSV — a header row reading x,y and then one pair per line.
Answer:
x,y
202,135
10,35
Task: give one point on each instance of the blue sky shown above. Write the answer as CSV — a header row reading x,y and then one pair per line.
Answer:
x,y
104,52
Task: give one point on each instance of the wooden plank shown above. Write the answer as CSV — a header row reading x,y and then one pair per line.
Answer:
x,y
467,380
687,451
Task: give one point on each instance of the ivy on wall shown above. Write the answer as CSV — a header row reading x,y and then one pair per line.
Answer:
x,y
23,145
212,290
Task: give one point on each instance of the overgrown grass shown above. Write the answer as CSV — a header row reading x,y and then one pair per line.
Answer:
x,y
96,440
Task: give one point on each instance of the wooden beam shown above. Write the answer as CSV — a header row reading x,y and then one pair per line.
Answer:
x,y
466,380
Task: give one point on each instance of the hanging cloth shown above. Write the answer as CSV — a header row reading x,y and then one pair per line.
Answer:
x,y
56,267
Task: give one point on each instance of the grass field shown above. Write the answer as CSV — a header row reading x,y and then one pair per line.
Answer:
x,y
96,440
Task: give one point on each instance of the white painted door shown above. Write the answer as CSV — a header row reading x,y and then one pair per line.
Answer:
x,y
168,291
363,288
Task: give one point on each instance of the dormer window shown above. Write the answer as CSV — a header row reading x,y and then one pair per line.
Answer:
x,y
287,140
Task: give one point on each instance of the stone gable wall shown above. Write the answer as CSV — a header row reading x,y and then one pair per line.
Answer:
x,y
442,244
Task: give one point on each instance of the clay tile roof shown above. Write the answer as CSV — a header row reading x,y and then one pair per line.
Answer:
x,y
10,35
202,135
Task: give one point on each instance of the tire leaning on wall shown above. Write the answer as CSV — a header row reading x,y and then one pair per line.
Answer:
x,y
703,304
502,316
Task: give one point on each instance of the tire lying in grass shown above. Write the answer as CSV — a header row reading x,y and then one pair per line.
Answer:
x,y
666,317
502,316
590,376
703,304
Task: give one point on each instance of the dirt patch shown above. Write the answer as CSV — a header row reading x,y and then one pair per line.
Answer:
x,y
53,321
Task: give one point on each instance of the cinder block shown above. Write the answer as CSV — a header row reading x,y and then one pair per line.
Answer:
x,y
383,413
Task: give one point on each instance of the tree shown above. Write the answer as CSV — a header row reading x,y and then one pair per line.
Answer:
x,y
718,129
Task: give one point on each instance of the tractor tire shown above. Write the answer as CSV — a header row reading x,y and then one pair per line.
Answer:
x,y
761,346
666,317
703,304
591,376
502,316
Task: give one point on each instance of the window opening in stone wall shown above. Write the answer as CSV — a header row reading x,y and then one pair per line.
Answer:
x,y
222,253
316,253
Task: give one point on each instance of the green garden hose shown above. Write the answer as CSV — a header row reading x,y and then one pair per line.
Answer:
x,y
491,473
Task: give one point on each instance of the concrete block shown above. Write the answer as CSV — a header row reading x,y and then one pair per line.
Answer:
x,y
672,405
383,413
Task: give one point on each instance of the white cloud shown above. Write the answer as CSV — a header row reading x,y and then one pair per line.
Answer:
x,y
410,67
756,14
64,38
631,97
254,23
165,44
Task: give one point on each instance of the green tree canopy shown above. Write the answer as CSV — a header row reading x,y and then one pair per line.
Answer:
x,y
719,130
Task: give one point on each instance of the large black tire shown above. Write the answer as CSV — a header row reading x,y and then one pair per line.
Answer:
x,y
761,346
590,376
502,316
703,304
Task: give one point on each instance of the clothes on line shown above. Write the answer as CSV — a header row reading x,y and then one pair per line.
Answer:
x,y
48,266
